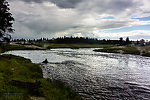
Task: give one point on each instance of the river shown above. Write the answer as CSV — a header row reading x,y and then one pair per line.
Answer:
x,y
96,75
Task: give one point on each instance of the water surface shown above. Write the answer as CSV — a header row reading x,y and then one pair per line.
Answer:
x,y
96,75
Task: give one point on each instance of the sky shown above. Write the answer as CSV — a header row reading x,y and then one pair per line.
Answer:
x,y
109,19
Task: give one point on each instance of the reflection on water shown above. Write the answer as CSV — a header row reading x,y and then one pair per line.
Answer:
x,y
95,75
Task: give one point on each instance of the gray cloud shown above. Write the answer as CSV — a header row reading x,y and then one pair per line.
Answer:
x,y
59,3
36,1
113,7
66,3
48,18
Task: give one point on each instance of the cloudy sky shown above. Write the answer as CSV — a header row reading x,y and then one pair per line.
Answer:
x,y
108,19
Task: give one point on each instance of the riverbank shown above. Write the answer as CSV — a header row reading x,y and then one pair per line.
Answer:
x,y
72,46
136,50
23,80
45,46
8,47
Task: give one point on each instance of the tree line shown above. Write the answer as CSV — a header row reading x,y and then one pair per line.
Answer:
x,y
74,40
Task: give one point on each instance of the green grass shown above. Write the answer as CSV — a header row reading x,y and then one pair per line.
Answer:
x,y
8,47
124,50
52,45
146,54
58,91
18,47
19,68
16,68
131,50
108,50
19,75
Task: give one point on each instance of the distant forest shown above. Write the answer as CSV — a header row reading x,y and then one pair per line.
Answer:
x,y
75,40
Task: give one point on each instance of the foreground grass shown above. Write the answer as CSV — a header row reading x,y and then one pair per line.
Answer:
x,y
126,50
22,80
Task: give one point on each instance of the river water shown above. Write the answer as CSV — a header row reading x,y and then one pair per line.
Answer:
x,y
96,75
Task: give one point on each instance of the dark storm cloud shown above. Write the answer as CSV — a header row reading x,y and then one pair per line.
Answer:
x,y
59,3
36,1
108,6
66,3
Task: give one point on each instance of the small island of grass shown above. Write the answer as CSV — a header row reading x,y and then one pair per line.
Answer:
x,y
136,50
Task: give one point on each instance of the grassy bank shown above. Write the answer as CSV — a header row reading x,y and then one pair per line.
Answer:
x,y
8,47
20,79
44,46
73,46
126,50
146,54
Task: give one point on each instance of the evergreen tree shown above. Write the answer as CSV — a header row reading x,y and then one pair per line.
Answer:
x,y
6,19
121,41
127,41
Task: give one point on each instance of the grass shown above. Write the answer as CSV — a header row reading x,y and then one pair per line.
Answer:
x,y
109,50
131,50
7,47
123,50
58,91
16,68
19,78
19,47
43,46
146,54
73,46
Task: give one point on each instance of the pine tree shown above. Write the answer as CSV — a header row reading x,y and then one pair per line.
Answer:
x,y
6,19
121,41
127,41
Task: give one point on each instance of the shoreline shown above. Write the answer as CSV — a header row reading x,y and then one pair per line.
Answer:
x,y
23,79
134,50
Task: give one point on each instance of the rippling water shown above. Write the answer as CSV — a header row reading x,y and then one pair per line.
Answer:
x,y
95,75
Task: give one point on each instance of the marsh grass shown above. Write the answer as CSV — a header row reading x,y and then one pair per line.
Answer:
x,y
108,50
76,46
146,54
8,47
124,50
131,50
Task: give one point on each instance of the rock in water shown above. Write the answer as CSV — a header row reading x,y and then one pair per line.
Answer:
x,y
45,61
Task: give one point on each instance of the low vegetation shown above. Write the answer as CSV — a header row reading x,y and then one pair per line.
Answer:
x,y
108,50
43,46
123,49
22,80
131,50
75,46
7,47
146,54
